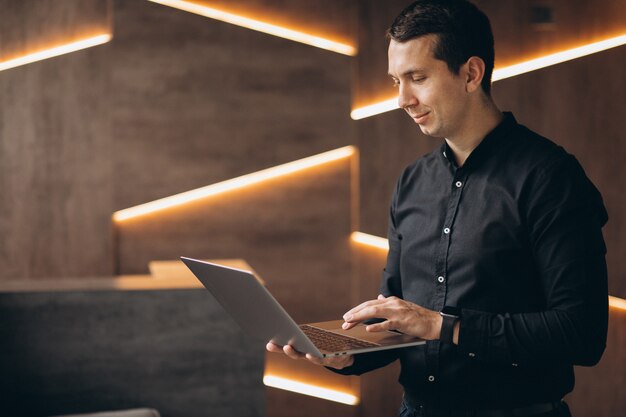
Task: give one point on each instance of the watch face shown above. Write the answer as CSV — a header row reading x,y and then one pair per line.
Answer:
x,y
451,311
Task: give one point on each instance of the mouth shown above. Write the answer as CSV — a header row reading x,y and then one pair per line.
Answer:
x,y
419,118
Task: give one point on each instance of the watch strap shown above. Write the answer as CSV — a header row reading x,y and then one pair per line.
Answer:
x,y
447,328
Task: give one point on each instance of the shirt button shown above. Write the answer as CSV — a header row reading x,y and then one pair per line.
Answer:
x,y
440,279
458,184
446,230
431,378
472,355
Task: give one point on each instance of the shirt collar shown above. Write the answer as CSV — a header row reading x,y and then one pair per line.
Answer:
x,y
486,147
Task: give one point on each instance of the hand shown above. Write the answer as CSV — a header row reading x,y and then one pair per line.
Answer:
x,y
337,362
400,315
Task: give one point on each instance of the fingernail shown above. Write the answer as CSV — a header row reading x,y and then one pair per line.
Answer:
x,y
345,325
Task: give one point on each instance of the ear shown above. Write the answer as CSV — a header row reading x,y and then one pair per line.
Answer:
x,y
474,73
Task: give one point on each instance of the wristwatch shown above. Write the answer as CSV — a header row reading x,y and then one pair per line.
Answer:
x,y
450,316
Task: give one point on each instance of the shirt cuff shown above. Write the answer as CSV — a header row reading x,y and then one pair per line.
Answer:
x,y
471,334
482,337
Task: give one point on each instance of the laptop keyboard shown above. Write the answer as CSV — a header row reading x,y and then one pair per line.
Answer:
x,y
333,342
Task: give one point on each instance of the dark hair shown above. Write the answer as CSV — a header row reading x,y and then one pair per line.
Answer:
x,y
462,31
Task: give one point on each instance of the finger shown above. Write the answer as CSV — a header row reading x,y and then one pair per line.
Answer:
x,y
348,326
360,307
376,311
272,347
379,327
292,353
380,297
315,359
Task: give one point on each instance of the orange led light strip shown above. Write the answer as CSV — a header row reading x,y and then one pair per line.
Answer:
x,y
370,240
616,302
56,51
234,183
259,26
311,390
557,58
510,71
382,243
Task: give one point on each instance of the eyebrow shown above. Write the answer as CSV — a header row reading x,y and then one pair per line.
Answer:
x,y
409,72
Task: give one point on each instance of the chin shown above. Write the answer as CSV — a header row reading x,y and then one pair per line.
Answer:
x,y
425,130
433,131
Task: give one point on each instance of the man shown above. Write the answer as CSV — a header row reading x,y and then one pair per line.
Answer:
x,y
496,254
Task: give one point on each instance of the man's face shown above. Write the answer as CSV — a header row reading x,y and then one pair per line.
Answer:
x,y
434,97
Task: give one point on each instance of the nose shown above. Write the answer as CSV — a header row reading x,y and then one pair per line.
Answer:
x,y
406,98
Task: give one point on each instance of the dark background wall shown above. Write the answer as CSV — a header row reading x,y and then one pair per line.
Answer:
x,y
89,350
177,101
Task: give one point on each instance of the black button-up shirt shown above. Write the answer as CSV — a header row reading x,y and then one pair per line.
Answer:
x,y
513,238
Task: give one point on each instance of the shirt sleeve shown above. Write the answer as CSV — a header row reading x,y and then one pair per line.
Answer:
x,y
390,285
564,214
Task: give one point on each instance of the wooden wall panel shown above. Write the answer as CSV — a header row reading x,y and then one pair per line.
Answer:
x,y
574,23
293,231
55,168
175,101
197,101
30,26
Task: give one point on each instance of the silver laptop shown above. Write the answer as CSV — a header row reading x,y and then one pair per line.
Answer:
x,y
257,312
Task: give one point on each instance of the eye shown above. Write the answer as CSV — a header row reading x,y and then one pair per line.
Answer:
x,y
419,80
395,83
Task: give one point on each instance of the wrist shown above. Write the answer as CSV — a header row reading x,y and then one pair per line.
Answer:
x,y
437,323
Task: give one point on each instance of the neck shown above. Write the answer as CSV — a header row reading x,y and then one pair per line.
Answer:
x,y
477,125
